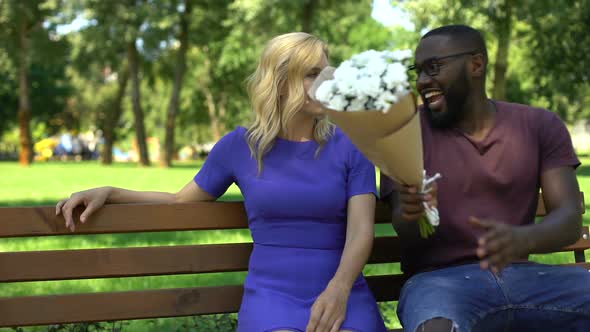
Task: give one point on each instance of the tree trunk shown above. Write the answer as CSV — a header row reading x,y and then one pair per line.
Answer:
x,y
222,112
168,151
24,91
503,24
133,59
113,117
212,109
308,10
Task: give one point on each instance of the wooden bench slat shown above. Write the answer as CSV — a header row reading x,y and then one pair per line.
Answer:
x,y
125,218
145,261
585,265
383,215
91,307
123,262
386,249
41,221
163,260
55,309
44,310
386,287
581,244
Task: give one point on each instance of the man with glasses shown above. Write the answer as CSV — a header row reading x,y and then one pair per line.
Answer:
x,y
473,274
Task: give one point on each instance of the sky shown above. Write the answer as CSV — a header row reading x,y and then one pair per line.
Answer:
x,y
383,12
388,15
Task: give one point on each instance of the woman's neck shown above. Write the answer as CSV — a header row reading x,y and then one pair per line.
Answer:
x,y
300,128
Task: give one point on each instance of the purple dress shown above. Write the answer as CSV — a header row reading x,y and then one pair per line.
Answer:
x,y
297,215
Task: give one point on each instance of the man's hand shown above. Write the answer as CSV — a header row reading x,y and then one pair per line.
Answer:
x,y
412,202
500,245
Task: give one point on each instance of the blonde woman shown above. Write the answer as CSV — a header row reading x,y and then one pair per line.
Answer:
x,y
309,195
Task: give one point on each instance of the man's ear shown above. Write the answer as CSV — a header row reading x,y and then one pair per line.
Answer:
x,y
478,65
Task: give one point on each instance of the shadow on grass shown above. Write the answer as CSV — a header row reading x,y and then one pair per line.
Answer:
x,y
195,164
583,170
183,164
28,202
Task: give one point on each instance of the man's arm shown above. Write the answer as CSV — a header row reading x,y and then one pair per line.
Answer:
x,y
562,225
501,244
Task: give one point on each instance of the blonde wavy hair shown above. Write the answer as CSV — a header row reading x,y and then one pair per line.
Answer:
x,y
284,63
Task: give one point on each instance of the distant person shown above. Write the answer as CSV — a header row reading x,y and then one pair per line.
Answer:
x,y
309,195
64,148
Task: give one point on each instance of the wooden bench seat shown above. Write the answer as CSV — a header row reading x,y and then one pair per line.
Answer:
x,y
150,261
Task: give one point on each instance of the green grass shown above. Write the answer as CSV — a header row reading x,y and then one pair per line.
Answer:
x,y
47,183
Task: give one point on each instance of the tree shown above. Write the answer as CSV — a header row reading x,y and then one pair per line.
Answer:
x,y
227,61
127,18
113,117
540,55
501,17
183,39
24,37
8,99
19,23
556,48
101,71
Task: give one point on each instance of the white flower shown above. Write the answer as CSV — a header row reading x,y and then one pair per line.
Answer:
x,y
338,102
395,75
369,86
346,72
370,80
385,100
358,104
376,67
362,59
326,91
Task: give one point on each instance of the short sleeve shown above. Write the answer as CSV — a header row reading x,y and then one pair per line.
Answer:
x,y
556,144
386,186
217,174
361,175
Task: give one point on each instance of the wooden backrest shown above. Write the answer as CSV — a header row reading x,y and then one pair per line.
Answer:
x,y
148,261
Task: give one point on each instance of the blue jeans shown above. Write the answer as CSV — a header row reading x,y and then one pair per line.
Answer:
x,y
523,297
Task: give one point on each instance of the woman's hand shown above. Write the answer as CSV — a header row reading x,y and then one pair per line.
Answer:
x,y
329,309
93,199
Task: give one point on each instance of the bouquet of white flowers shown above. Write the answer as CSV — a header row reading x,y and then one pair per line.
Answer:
x,y
369,98
368,81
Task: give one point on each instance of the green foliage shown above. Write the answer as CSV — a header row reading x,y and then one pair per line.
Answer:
x,y
50,86
221,323
549,49
8,98
556,46
74,75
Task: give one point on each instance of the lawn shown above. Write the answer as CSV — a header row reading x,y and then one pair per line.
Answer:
x,y
46,183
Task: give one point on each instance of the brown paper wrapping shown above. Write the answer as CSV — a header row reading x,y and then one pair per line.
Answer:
x,y
392,141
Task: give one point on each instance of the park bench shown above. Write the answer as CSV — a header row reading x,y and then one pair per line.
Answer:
x,y
149,261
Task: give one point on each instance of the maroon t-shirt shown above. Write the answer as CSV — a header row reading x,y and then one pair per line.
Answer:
x,y
496,178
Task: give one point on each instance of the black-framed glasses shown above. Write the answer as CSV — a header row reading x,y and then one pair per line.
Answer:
x,y
431,66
